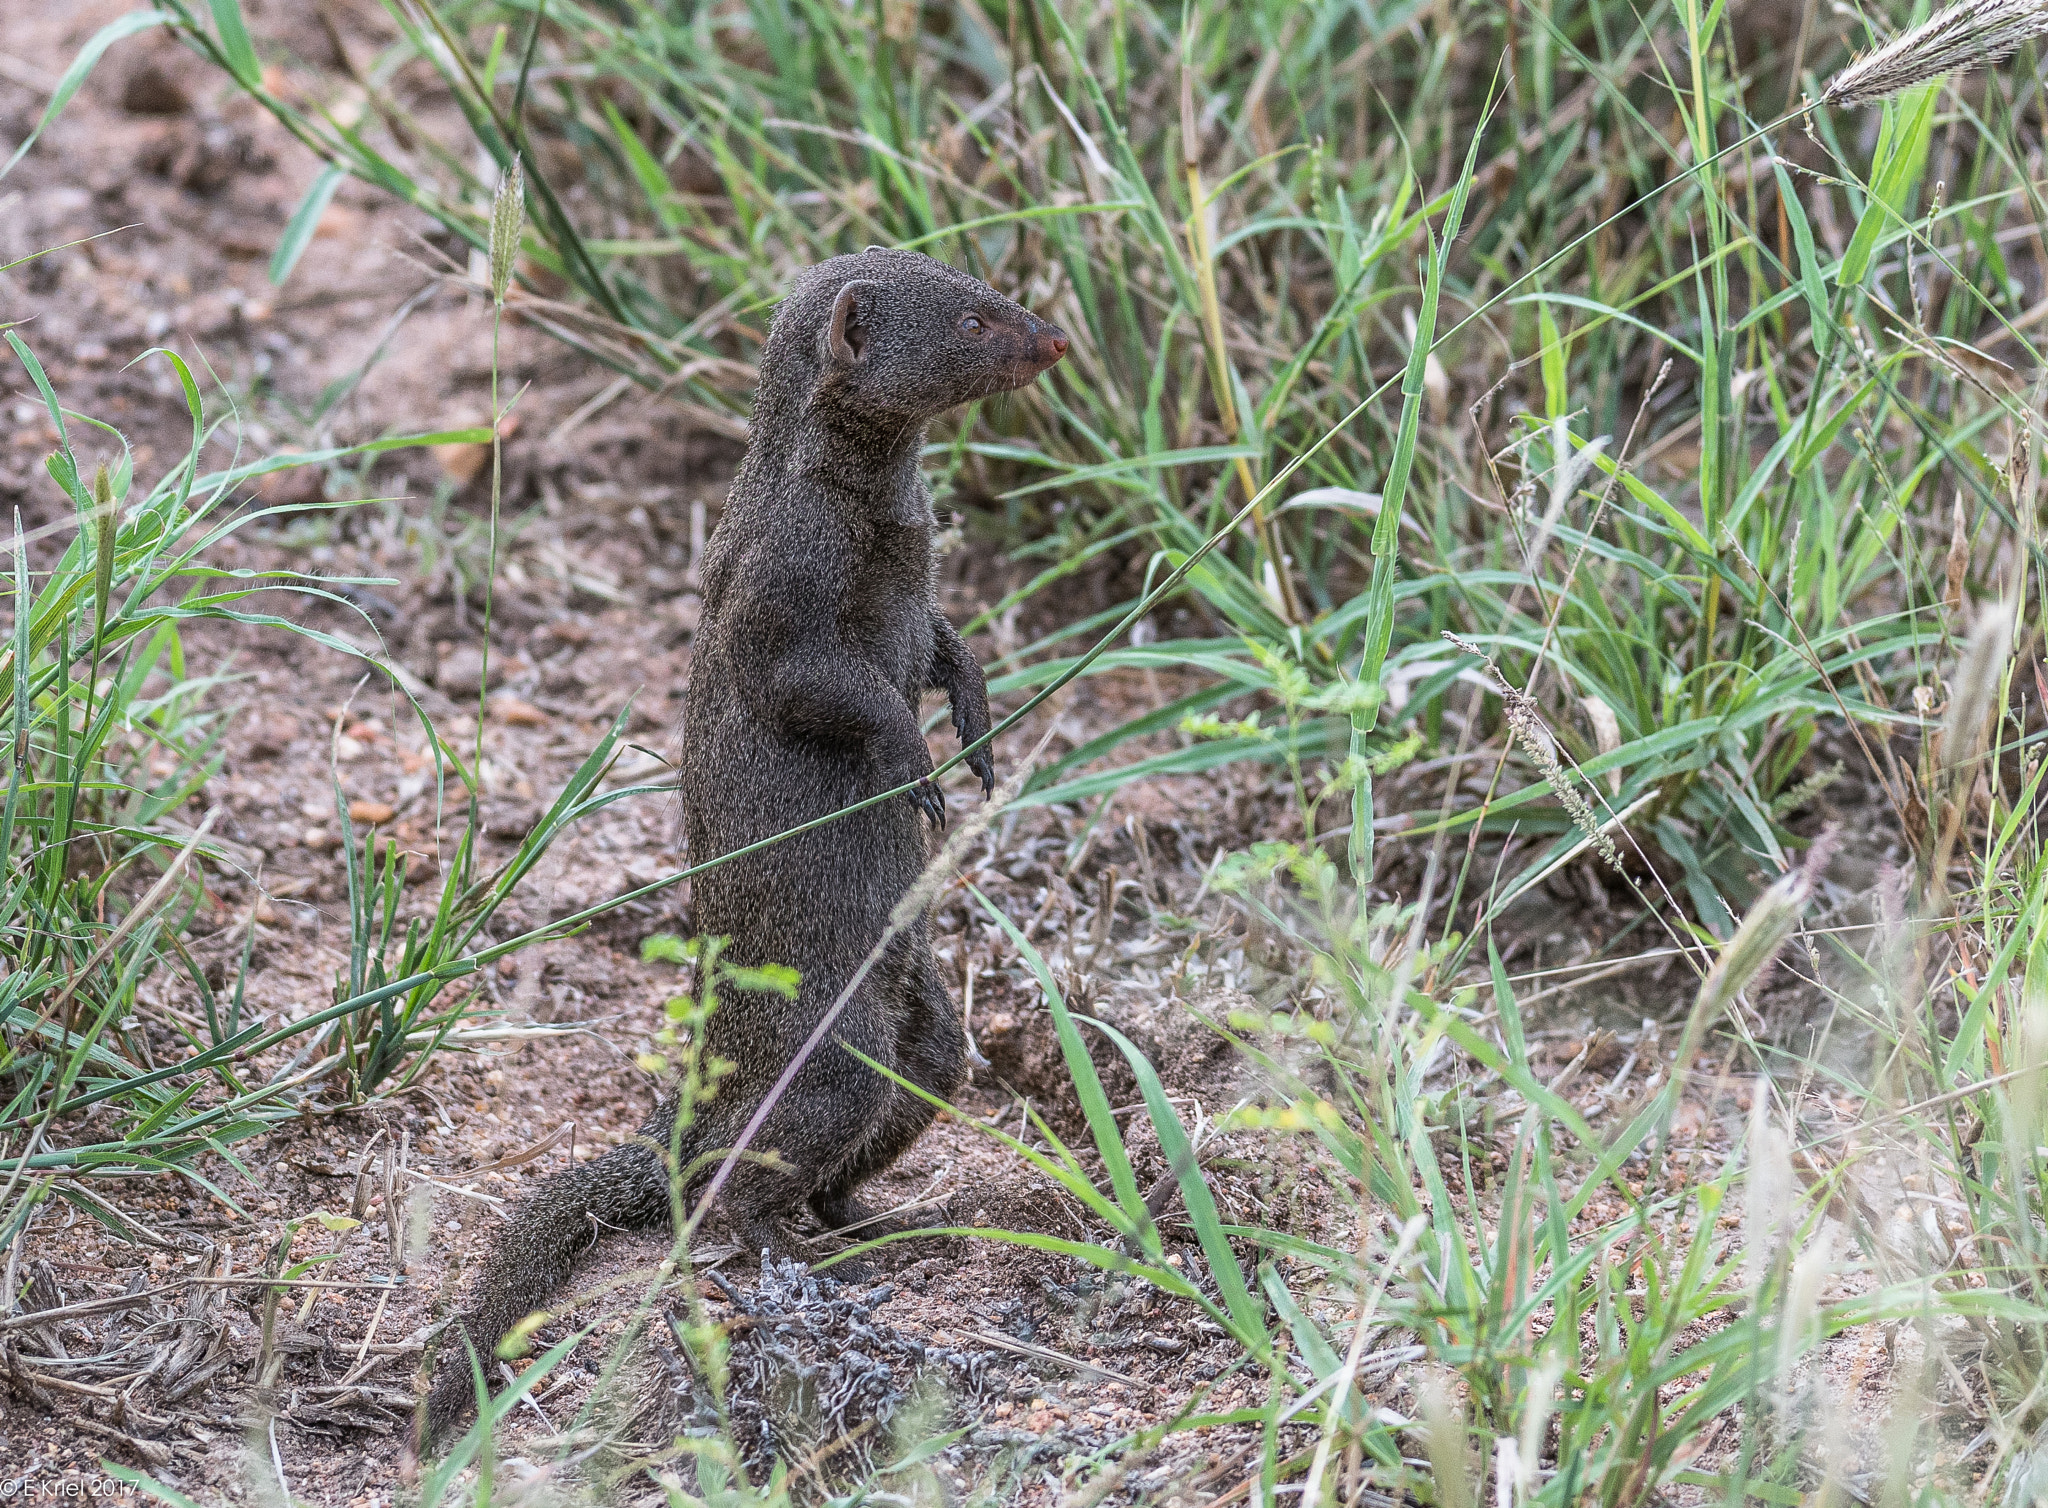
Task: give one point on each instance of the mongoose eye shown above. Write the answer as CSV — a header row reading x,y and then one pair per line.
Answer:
x,y
971,325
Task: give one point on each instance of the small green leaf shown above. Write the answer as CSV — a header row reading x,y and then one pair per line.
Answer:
x,y
769,979
666,947
304,221
148,1483
1820,321
1102,1126
1910,126
519,1339
1554,394
235,46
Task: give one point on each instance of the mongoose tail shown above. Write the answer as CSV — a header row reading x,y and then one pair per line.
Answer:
x,y
627,1188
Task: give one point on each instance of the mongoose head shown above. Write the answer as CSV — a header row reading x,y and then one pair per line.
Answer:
x,y
897,337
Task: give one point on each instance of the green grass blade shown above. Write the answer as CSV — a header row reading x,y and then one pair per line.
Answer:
x,y
1194,1190
75,75
298,231
1102,1126
235,45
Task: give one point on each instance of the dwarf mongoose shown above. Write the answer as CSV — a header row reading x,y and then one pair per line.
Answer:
x,y
820,631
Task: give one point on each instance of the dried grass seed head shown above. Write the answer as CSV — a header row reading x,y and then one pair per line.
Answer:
x,y
1767,1198
2028,1094
1526,726
1763,930
1798,1328
508,215
106,530
1969,35
1974,694
1443,1417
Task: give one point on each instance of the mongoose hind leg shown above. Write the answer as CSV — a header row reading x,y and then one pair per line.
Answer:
x,y
759,1227
829,1108
931,1052
842,1211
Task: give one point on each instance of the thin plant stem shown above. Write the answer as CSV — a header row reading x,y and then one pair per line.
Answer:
x,y
483,680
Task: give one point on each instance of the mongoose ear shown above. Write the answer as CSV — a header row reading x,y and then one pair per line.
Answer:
x,y
847,336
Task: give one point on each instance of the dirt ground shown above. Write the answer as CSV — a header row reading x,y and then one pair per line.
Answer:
x,y
188,191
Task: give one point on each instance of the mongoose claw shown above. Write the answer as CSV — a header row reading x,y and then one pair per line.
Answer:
x,y
933,801
985,767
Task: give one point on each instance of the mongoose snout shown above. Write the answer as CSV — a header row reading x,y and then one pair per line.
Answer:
x,y
1028,351
820,635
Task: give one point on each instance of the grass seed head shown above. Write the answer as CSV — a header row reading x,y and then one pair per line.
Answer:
x,y
1606,735
2026,1095
1968,35
1798,1329
419,1224
1800,792
1768,1195
1974,694
106,528
1764,929
1525,724
1956,571
1444,1427
1538,1401
508,207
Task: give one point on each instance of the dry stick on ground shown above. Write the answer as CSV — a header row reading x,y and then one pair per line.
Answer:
x,y
37,1317
359,1366
393,1231
318,1285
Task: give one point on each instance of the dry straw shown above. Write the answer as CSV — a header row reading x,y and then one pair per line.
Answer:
x,y
1969,35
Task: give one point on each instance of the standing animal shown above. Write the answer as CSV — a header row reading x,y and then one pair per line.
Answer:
x,y
820,632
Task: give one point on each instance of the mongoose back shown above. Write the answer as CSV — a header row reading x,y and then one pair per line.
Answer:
x,y
820,632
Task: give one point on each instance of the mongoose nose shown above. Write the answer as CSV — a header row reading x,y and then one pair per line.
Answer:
x,y
1052,339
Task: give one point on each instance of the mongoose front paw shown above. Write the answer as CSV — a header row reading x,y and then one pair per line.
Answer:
x,y
985,767
933,802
